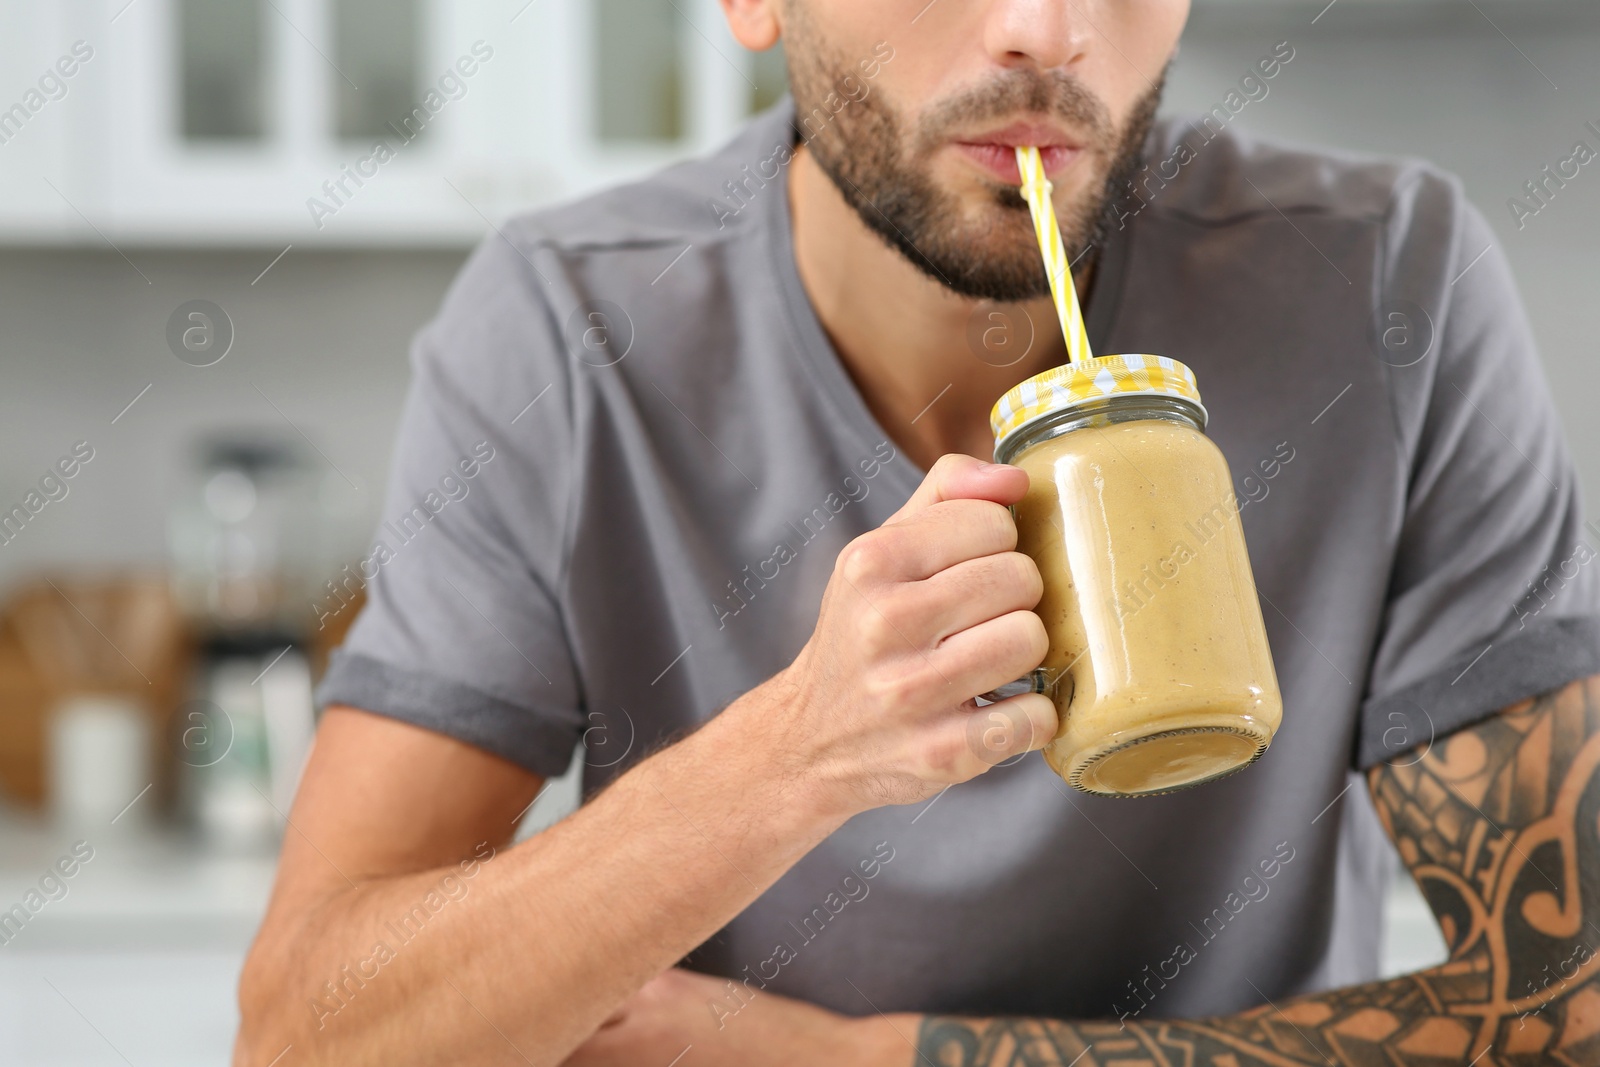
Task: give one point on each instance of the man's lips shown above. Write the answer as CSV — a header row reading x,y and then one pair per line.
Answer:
x,y
995,151
1001,160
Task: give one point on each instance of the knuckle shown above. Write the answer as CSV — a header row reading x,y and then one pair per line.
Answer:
x,y
890,687
862,560
876,630
944,757
904,627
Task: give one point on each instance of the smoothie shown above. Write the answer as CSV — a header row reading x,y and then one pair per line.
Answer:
x,y
1150,607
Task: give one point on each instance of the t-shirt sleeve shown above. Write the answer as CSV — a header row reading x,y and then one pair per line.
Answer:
x,y
1494,596
463,630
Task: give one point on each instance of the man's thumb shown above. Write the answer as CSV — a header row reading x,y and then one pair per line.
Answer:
x,y
958,477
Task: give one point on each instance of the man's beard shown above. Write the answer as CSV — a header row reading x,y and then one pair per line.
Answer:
x,y
993,255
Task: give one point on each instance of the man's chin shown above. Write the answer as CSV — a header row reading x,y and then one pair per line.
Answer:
x,y
1004,276
991,255
970,233
977,241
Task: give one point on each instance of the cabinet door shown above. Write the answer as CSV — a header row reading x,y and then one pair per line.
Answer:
x,y
352,121
56,72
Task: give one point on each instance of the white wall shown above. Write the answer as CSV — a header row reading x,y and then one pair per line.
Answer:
x,y
1440,82
323,336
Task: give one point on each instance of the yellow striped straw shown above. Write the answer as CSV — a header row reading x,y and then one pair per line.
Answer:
x,y
1036,191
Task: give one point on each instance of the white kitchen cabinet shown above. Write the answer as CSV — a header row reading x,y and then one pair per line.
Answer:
x,y
512,114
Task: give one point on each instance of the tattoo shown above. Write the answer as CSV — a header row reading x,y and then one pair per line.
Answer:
x,y
1500,826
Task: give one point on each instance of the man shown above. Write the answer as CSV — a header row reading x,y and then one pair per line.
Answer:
x,y
660,491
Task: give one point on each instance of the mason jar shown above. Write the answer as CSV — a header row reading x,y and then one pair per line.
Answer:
x,y
1158,661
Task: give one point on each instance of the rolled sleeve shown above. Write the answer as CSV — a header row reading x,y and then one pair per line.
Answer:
x,y
463,632
532,737
1494,595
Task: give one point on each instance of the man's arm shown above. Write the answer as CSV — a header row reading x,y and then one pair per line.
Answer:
x,y
492,954
397,934
1500,826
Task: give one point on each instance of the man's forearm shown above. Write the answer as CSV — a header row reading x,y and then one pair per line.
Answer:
x,y
1500,825
553,932
1400,1021
920,613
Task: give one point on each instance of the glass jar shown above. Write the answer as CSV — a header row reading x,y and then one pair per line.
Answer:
x,y
1158,659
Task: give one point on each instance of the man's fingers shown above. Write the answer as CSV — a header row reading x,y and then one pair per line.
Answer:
x,y
937,538
1019,724
975,591
989,655
958,477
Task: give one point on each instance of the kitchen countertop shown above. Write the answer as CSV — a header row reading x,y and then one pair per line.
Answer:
x,y
138,961
140,890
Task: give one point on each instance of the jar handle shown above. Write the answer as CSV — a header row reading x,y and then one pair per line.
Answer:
x,y
1042,680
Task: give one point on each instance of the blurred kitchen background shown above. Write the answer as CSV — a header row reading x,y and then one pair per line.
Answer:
x,y
200,377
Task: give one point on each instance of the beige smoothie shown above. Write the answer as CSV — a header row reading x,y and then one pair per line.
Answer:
x,y
1150,607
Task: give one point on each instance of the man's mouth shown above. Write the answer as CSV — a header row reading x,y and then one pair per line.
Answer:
x,y
995,150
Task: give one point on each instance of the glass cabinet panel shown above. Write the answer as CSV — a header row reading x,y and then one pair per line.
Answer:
x,y
377,50
220,53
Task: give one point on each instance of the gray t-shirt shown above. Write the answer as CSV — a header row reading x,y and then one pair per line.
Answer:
x,y
630,457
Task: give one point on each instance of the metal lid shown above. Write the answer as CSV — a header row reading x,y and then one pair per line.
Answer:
x,y
1072,384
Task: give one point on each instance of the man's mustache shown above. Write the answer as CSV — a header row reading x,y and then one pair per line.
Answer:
x,y
1011,94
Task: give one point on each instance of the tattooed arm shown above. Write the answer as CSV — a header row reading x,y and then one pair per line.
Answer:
x,y
1500,826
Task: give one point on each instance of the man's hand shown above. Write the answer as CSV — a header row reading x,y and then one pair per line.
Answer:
x,y
712,1022
921,615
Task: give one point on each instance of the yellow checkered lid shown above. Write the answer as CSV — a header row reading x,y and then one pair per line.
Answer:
x,y
1093,379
